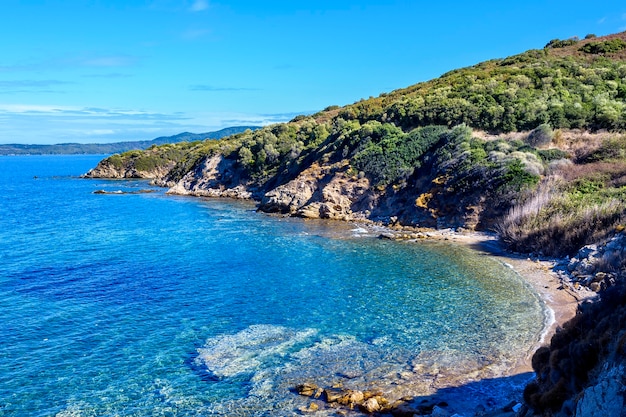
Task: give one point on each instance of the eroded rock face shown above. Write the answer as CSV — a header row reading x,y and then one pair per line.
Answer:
x,y
598,266
216,176
319,193
606,397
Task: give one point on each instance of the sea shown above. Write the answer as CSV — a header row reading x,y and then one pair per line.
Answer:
x,y
117,299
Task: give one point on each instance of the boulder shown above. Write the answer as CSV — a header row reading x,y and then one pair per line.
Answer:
x,y
440,412
308,389
370,405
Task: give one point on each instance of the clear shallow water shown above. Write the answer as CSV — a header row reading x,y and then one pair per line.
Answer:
x,y
146,304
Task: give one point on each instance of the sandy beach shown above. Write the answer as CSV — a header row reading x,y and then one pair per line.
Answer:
x,y
561,304
560,300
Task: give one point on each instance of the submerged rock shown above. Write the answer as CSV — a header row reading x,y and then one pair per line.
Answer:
x,y
146,191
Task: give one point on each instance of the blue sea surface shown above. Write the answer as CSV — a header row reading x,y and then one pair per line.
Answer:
x,y
145,304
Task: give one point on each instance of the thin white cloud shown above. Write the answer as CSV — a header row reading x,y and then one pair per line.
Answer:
x,y
62,63
31,83
602,20
33,108
199,5
48,124
108,75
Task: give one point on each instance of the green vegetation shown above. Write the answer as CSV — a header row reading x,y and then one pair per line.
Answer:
x,y
514,94
420,144
542,135
606,47
576,205
558,43
386,154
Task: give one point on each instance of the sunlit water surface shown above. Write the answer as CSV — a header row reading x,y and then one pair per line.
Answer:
x,y
147,304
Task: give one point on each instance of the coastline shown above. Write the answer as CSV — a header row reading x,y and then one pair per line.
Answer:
x,y
490,389
558,299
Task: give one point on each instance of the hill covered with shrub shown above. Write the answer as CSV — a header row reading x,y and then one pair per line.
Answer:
x,y
530,145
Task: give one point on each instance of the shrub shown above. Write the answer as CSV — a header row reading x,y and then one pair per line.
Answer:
x,y
386,155
542,135
116,160
558,43
562,217
563,369
606,47
549,155
611,149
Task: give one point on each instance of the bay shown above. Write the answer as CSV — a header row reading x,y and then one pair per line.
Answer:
x,y
138,304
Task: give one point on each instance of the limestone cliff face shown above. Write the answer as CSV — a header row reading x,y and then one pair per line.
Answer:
x,y
605,397
320,192
215,176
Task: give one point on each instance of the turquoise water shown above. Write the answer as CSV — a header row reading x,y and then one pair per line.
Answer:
x,y
147,304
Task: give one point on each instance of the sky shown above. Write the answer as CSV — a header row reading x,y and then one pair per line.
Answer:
x,y
106,71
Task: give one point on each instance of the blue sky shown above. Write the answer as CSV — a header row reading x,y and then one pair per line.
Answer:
x,y
106,71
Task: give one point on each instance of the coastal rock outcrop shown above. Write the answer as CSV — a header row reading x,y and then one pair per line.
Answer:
x,y
606,397
598,266
112,168
320,193
215,176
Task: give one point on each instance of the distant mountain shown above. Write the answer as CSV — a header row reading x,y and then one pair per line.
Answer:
x,y
117,147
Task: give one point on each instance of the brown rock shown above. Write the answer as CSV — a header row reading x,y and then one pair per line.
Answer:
x,y
307,389
600,276
333,395
313,407
370,405
351,398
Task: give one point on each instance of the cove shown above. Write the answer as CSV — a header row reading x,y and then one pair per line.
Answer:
x,y
142,303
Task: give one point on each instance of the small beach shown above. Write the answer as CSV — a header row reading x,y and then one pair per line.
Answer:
x,y
482,391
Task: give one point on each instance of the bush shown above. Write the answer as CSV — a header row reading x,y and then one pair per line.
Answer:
x,y
549,155
115,160
611,149
558,43
563,369
562,217
542,135
606,47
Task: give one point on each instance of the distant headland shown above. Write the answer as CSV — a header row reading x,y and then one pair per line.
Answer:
x,y
116,147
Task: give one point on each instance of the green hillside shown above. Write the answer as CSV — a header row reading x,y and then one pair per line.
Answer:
x,y
469,147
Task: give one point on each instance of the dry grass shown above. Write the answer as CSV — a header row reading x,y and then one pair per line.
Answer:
x,y
607,170
573,50
547,222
